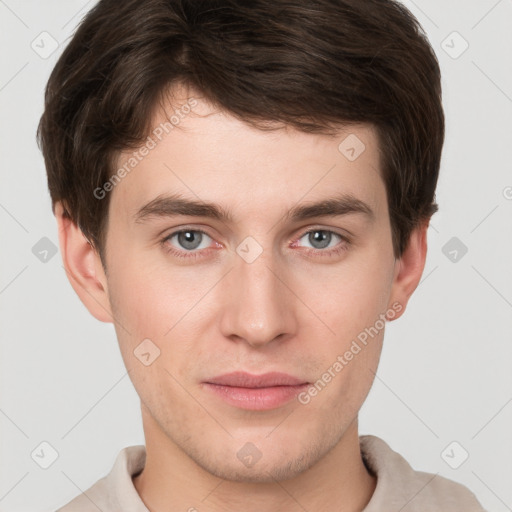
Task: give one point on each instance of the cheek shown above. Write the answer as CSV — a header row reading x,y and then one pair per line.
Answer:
x,y
146,295
155,341
151,302
352,301
351,296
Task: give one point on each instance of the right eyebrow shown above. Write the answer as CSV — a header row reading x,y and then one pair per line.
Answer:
x,y
171,206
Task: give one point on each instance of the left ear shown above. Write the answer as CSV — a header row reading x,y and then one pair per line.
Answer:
x,y
409,269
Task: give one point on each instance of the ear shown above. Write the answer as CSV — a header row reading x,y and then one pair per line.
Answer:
x,y
409,269
83,267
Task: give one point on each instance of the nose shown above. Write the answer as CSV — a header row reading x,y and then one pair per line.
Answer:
x,y
259,305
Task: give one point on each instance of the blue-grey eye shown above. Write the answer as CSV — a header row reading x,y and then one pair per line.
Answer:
x,y
189,239
320,238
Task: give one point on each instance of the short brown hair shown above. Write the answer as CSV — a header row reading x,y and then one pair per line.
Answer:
x,y
311,64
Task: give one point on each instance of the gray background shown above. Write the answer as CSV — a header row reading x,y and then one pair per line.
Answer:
x,y
445,371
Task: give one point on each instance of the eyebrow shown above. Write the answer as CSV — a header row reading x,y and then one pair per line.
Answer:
x,y
174,205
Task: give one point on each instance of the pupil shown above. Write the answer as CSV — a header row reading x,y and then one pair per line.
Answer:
x,y
324,238
186,239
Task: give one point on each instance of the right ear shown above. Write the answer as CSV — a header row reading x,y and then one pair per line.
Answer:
x,y
83,267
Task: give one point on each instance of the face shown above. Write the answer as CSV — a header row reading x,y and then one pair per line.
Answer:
x,y
270,287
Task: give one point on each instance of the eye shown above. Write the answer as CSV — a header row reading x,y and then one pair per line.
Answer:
x,y
193,243
187,240
325,241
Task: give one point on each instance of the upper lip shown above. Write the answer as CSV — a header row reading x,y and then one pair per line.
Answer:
x,y
247,380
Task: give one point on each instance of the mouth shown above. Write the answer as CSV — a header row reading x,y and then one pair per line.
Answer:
x,y
256,392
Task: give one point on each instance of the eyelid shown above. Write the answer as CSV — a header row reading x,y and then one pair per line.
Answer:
x,y
343,234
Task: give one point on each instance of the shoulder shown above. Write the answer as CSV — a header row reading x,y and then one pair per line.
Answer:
x,y
399,486
115,491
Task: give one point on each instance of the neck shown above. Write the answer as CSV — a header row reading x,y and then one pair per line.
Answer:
x,y
171,481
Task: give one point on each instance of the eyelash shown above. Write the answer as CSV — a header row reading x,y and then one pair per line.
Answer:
x,y
335,251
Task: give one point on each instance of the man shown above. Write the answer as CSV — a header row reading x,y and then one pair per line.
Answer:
x,y
244,190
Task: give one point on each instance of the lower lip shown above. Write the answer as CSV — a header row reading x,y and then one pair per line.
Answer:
x,y
256,399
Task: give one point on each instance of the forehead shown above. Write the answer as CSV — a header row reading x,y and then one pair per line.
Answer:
x,y
204,153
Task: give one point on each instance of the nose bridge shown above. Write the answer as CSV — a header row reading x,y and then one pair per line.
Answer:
x,y
259,306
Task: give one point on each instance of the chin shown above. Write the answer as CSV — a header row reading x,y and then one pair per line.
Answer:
x,y
278,465
270,473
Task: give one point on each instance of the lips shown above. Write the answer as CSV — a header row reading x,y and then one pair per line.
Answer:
x,y
247,380
255,392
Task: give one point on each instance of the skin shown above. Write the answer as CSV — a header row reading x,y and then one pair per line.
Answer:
x,y
290,310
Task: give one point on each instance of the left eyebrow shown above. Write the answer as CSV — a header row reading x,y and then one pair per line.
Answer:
x,y
174,205
343,204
